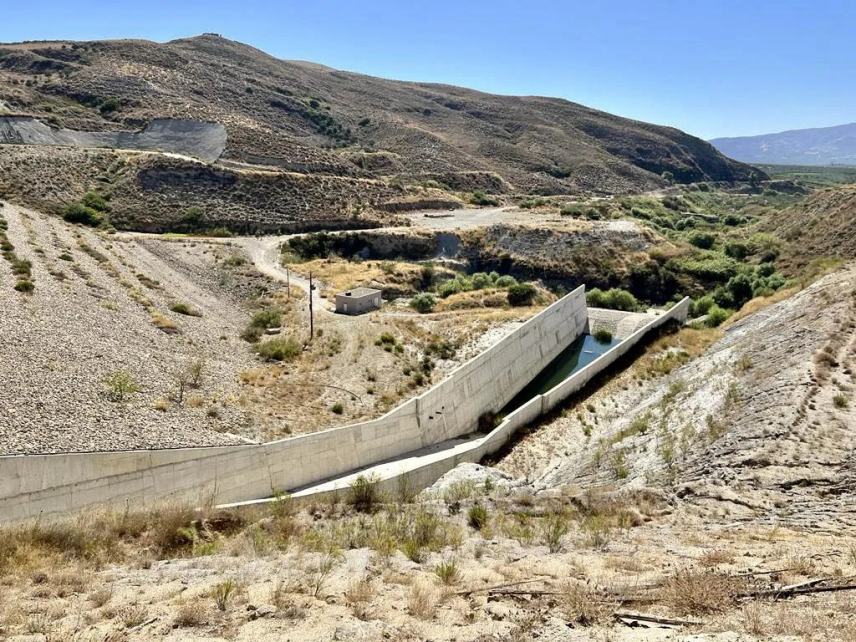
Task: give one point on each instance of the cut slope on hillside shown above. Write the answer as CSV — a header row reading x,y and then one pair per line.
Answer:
x,y
300,117
761,426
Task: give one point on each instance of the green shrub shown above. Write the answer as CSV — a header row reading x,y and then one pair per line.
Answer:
x,y
109,105
701,306
613,299
423,302
282,349
716,316
704,240
521,294
555,527
337,408
505,281
185,309
480,281
120,384
25,285
480,198
737,250
364,494
95,201
267,318
603,336
740,287
80,213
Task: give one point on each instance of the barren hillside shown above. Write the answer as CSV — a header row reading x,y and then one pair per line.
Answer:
x,y
824,224
309,118
758,428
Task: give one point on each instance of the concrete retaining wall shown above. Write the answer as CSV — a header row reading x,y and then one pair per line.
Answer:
x,y
44,484
423,476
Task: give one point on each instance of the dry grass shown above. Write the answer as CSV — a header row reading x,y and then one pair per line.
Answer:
x,y
162,322
422,601
582,605
359,597
190,613
700,592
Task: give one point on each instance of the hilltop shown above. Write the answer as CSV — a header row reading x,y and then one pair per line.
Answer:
x,y
308,118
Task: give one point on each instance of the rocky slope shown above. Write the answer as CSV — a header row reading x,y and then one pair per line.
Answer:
x,y
309,118
761,427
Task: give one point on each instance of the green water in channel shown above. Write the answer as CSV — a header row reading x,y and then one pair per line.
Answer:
x,y
576,356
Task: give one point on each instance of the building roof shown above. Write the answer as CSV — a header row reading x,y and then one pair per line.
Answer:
x,y
357,293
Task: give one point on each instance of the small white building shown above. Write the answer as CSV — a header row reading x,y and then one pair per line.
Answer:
x,y
358,301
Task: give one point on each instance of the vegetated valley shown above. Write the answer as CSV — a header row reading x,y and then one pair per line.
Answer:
x,y
704,486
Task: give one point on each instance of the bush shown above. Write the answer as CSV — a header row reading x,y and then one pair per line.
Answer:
x,y
185,309
120,384
480,281
423,302
702,305
737,250
505,281
267,318
109,105
95,201
80,213
614,299
704,240
603,336
337,408
740,287
480,198
25,285
716,316
364,494
284,349
448,572
521,294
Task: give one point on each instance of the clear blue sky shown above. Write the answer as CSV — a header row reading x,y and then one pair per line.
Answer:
x,y
712,68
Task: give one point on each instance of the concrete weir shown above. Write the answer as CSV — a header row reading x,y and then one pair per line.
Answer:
x,y
429,431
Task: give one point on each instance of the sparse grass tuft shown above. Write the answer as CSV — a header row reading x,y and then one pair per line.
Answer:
x,y
448,572
477,517
223,593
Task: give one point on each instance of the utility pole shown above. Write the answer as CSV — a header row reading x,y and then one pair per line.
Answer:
x,y
311,317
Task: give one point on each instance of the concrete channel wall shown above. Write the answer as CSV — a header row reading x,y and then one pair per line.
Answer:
x,y
422,476
32,485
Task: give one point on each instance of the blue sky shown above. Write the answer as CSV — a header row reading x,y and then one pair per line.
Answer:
x,y
712,68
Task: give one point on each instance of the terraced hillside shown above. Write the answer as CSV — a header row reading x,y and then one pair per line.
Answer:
x,y
309,118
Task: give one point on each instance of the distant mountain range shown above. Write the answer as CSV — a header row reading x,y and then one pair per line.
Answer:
x,y
818,146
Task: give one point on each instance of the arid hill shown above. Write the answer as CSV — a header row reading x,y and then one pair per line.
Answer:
x,y
312,119
824,224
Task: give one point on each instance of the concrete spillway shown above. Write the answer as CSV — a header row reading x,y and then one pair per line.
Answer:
x,y
418,441
203,140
